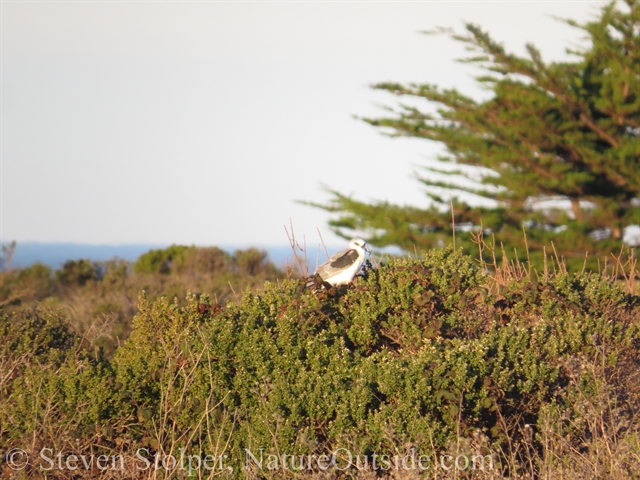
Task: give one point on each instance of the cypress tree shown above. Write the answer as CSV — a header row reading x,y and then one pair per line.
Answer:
x,y
565,133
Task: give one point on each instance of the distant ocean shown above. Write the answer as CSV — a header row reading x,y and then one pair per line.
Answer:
x,y
55,254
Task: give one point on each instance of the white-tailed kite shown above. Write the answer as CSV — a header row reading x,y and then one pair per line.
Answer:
x,y
343,266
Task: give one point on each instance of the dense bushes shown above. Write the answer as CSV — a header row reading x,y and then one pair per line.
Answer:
x,y
34,283
102,297
160,260
76,272
532,376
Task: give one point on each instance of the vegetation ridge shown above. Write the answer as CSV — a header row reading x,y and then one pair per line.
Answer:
x,y
537,376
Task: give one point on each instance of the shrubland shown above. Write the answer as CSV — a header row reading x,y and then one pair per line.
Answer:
x,y
100,299
479,371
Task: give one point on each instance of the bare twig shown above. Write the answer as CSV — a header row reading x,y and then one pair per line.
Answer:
x,y
323,245
453,223
234,292
302,268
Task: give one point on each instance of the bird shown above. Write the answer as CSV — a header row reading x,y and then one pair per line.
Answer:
x,y
343,266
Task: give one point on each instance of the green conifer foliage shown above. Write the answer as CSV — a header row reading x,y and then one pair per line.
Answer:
x,y
567,130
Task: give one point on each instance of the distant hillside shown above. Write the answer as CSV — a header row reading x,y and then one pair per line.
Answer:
x,y
55,254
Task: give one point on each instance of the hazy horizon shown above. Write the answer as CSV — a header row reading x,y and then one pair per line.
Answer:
x,y
54,254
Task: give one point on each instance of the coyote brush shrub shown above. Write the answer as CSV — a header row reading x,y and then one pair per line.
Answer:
x,y
415,354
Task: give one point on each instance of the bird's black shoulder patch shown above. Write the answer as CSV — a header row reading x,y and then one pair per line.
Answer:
x,y
349,258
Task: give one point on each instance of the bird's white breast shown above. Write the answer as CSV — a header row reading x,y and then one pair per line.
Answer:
x,y
346,275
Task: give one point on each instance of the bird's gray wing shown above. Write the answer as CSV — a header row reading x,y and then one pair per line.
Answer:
x,y
338,262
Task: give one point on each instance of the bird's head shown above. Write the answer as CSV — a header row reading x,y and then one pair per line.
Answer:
x,y
358,243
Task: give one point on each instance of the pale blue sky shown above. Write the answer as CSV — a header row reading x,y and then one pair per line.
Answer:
x,y
203,122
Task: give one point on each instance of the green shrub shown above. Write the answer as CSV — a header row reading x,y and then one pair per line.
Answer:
x,y
251,260
52,394
416,348
21,286
76,272
114,272
160,260
206,260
